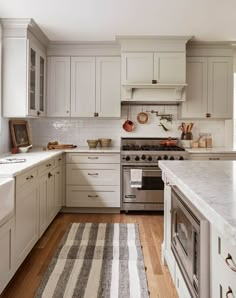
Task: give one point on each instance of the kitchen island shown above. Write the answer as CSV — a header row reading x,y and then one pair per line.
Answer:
x,y
209,187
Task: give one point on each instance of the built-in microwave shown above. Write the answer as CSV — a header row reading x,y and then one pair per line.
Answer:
x,y
190,244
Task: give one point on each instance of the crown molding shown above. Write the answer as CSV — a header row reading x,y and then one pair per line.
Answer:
x,y
20,28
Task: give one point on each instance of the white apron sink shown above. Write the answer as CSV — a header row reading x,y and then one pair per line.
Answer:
x,y
6,199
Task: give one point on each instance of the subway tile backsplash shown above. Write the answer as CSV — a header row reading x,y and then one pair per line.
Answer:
x,y
77,131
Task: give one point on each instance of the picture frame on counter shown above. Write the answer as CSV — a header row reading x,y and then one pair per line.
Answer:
x,y
20,133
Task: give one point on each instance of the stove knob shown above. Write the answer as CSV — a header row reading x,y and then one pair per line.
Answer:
x,y
127,158
149,158
165,157
137,158
143,157
159,158
172,158
181,158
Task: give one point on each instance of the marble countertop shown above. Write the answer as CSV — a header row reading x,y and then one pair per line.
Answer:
x,y
37,156
214,150
211,187
86,149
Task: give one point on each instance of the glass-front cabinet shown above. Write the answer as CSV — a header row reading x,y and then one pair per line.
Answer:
x,y
36,83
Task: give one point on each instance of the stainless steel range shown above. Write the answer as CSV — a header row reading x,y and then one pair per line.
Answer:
x,y
142,185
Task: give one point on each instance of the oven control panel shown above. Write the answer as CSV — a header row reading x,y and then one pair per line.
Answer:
x,y
148,158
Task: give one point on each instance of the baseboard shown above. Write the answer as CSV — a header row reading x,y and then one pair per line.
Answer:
x,y
89,210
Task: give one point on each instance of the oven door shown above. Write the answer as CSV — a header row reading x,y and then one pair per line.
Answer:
x,y
152,190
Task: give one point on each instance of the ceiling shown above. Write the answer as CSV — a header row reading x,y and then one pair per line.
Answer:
x,y
102,20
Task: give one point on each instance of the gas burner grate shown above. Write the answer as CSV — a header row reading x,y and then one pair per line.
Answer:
x,y
133,147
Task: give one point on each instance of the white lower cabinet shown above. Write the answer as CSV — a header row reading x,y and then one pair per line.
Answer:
x,y
26,218
93,180
223,266
6,252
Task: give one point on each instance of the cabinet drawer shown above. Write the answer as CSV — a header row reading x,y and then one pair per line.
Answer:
x,y
47,165
100,196
92,174
213,156
26,178
92,158
59,160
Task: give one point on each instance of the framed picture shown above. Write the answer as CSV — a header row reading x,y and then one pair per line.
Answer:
x,y
20,133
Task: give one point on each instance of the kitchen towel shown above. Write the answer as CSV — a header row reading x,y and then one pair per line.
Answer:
x,y
136,177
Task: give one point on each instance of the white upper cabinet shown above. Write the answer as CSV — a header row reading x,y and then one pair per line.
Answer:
x,y
137,68
170,68
220,87
108,87
24,69
58,87
142,68
196,91
82,86
209,93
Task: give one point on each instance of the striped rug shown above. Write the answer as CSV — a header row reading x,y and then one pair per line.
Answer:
x,y
97,260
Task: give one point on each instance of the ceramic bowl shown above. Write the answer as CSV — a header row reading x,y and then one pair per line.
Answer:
x,y
104,142
23,149
92,143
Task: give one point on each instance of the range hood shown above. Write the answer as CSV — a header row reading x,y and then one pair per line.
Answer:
x,y
176,92
153,68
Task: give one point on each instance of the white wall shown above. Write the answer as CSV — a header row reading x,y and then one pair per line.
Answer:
x,y
4,136
77,131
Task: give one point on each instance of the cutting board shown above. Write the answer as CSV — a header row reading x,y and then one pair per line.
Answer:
x,y
61,146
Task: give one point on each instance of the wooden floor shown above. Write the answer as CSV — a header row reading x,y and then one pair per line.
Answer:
x,y
29,275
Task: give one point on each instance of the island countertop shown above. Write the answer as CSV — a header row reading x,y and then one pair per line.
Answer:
x,y
211,188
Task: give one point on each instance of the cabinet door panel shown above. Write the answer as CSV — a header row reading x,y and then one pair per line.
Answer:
x,y
196,91
33,81
58,87
6,256
108,86
51,204
220,87
170,68
58,188
43,182
137,68
42,85
82,86
26,222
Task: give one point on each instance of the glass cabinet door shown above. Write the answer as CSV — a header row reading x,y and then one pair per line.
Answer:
x,y
41,85
32,82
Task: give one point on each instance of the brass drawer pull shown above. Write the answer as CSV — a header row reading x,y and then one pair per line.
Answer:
x,y
228,292
89,196
214,158
30,177
93,174
48,165
49,175
95,157
59,159
229,257
58,172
